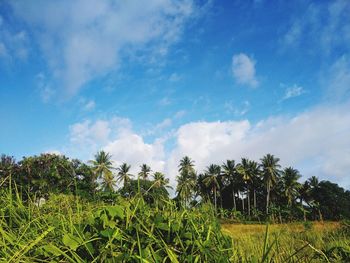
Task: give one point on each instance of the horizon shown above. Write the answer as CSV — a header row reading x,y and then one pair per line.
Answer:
x,y
213,80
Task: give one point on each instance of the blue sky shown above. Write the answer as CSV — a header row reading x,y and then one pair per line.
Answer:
x,y
153,82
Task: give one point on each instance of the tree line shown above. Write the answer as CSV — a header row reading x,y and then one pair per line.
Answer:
x,y
246,189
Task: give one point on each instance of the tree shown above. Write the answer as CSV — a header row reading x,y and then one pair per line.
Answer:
x,y
243,170
248,169
254,172
145,171
230,173
211,180
150,194
102,167
291,186
186,180
160,180
270,172
123,174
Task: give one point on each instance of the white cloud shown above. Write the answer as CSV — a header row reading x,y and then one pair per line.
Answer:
x,y
131,148
293,91
315,142
243,70
116,137
85,39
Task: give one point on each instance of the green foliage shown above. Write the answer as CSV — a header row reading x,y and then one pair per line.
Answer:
x,y
69,229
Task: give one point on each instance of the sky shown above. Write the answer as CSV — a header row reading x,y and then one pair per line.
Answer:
x,y
154,81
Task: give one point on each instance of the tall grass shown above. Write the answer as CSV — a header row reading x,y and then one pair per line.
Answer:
x,y
68,229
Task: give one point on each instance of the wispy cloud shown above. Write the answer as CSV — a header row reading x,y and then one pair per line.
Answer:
x,y
83,39
238,110
337,79
293,91
243,70
323,25
14,43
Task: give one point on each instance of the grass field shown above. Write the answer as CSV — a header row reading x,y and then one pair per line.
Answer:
x,y
293,242
70,229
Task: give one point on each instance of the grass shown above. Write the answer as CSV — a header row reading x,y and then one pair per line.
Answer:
x,y
70,229
293,242
235,230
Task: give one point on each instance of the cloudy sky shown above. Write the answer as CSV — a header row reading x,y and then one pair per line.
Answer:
x,y
153,82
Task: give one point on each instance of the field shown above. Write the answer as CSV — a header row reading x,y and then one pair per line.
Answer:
x,y
292,242
69,229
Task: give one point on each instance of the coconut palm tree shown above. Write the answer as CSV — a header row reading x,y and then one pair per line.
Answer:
x,y
254,172
211,179
245,170
291,186
186,180
145,171
230,173
185,187
109,182
270,172
186,165
102,168
160,180
314,187
123,173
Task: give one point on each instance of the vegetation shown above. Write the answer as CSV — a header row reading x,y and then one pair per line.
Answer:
x,y
54,209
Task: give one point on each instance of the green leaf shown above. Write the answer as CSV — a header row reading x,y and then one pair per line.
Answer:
x,y
71,241
107,233
116,211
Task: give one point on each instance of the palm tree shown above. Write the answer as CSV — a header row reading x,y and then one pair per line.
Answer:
x,y
270,167
229,172
123,173
102,168
304,195
160,180
314,186
247,170
290,177
186,165
211,179
254,178
313,182
185,187
108,182
145,171
186,180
